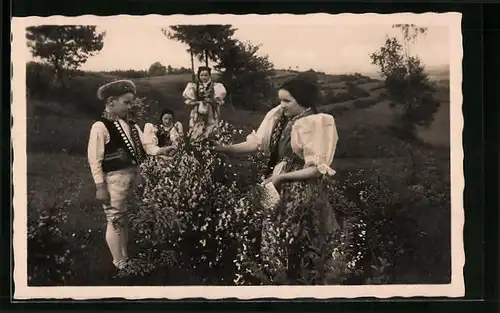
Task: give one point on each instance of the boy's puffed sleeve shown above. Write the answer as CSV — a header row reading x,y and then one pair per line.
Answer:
x,y
148,139
98,138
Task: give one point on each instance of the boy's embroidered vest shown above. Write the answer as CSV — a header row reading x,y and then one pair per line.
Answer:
x,y
119,152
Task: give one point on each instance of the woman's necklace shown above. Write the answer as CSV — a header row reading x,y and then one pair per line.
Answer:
x,y
296,117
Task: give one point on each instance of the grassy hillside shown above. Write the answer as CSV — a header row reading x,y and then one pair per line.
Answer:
x,y
353,102
58,126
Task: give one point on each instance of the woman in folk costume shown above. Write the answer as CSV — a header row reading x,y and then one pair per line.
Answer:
x,y
205,98
166,133
115,149
300,144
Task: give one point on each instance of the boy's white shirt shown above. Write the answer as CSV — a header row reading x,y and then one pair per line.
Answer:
x,y
99,137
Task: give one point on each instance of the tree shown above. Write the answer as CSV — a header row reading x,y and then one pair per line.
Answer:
x,y
170,70
247,76
309,75
64,46
204,41
157,69
409,89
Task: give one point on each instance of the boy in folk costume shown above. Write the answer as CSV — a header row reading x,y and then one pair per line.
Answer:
x,y
116,147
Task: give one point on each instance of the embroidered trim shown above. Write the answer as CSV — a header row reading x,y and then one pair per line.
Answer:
x,y
110,116
140,155
125,138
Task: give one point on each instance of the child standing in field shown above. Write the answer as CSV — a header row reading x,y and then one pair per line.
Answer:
x,y
205,98
115,149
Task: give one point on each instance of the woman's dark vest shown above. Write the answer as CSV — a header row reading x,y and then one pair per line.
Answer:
x,y
206,95
118,152
280,144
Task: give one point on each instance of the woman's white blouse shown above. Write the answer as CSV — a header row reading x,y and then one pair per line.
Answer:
x,y
189,93
151,130
314,138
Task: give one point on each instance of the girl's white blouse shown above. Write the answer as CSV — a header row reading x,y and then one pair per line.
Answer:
x,y
314,138
189,93
150,131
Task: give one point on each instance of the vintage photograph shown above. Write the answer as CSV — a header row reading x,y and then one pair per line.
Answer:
x,y
224,151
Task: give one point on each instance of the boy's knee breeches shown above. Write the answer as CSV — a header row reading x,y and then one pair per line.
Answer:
x,y
120,186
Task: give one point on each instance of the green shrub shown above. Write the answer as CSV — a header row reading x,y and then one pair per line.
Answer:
x,y
356,91
51,255
189,204
333,97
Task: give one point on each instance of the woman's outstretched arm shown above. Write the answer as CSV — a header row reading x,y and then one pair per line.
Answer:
x,y
299,175
239,148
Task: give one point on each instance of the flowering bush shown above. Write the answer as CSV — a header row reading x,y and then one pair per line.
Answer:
x,y
198,205
139,108
191,203
405,228
198,212
332,261
50,256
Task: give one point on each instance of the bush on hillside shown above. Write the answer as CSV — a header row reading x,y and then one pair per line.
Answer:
x,y
247,76
334,97
364,103
51,255
356,91
157,69
403,244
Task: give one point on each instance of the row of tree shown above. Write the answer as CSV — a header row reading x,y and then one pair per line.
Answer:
x,y
158,69
245,73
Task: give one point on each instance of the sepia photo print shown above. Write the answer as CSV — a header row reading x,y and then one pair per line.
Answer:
x,y
252,156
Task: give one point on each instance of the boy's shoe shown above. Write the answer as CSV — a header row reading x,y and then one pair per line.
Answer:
x,y
122,264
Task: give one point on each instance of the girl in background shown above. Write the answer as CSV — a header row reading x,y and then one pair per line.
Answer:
x,y
204,97
166,133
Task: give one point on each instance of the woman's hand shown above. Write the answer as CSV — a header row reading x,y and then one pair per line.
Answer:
x,y
276,180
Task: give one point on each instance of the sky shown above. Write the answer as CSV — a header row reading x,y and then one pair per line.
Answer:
x,y
327,48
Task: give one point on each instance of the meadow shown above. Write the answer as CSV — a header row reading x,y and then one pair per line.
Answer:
x,y
58,173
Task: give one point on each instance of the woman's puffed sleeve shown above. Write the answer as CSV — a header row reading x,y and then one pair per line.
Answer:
x,y
262,136
314,138
176,132
189,93
150,134
219,93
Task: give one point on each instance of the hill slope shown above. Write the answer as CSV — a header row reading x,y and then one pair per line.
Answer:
x,y
356,102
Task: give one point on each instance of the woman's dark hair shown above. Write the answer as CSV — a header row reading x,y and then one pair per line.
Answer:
x,y
204,68
166,111
305,92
